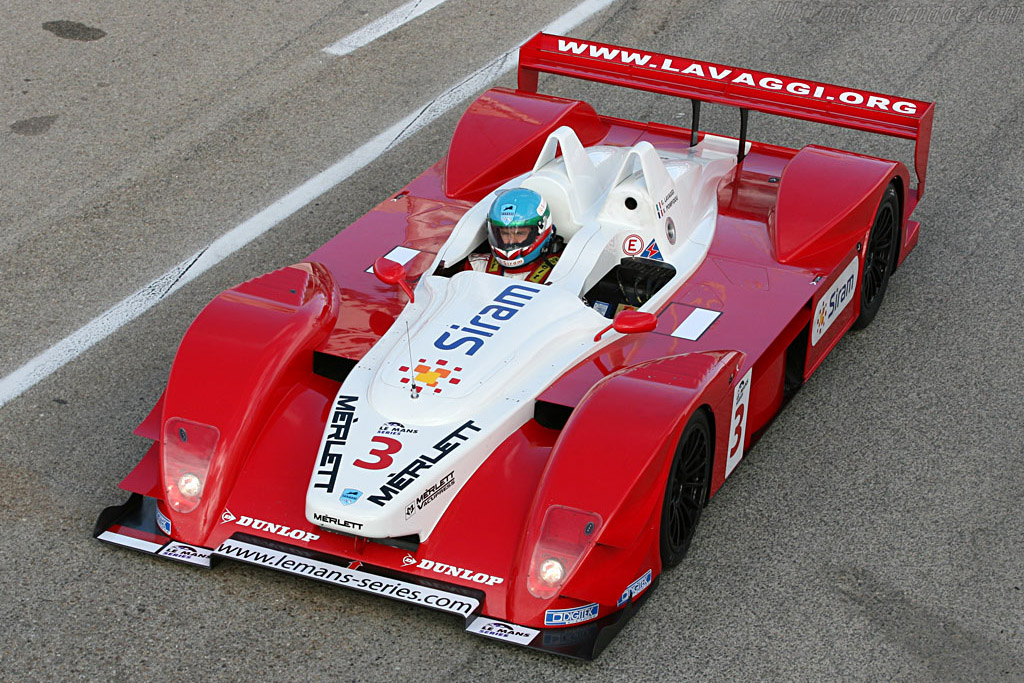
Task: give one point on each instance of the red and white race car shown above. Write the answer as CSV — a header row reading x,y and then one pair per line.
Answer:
x,y
530,456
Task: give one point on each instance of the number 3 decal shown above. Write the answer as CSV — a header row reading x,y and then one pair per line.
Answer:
x,y
383,454
738,429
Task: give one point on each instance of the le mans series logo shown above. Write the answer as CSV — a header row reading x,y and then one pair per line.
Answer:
x,y
492,628
184,552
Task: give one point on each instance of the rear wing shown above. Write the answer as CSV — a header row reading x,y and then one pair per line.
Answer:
x,y
709,82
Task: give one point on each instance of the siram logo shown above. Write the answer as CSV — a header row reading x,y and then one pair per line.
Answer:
x,y
834,301
488,321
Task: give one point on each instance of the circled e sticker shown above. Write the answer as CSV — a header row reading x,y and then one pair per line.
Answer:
x,y
632,245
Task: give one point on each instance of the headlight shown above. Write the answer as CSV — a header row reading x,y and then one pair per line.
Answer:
x,y
188,448
551,572
190,485
566,534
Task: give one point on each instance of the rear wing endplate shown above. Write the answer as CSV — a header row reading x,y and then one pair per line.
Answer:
x,y
708,82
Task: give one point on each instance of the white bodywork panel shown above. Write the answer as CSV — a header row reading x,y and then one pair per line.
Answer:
x,y
461,367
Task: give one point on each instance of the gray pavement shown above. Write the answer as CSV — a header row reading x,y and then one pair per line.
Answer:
x,y
876,532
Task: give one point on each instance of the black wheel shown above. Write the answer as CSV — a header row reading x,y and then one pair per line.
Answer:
x,y
686,490
879,257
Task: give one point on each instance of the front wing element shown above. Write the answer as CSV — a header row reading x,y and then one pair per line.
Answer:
x,y
584,641
134,525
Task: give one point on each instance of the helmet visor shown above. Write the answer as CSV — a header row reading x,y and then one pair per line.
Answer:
x,y
512,241
510,237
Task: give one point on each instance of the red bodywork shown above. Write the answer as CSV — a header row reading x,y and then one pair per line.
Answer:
x,y
789,222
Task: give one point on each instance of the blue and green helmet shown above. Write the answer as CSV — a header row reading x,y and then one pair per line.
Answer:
x,y
519,227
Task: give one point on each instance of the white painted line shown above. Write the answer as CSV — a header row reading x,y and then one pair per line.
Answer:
x,y
119,315
696,324
386,24
399,255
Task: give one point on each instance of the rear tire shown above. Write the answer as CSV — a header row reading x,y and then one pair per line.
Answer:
x,y
686,490
879,257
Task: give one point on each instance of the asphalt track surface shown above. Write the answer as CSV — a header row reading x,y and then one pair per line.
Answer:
x,y
876,532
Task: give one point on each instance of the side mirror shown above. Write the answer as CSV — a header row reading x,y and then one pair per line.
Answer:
x,y
392,273
630,322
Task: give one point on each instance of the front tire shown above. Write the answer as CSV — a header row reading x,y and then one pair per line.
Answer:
x,y
686,491
879,257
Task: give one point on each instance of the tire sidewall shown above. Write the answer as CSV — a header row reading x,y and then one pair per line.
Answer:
x,y
672,556
868,310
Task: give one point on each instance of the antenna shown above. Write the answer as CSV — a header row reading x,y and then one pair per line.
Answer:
x,y
412,373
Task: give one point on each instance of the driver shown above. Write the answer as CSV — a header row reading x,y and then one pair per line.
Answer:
x,y
524,243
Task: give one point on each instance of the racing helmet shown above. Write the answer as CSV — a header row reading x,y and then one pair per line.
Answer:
x,y
519,227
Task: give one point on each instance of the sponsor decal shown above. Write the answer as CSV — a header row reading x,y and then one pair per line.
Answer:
x,y
335,437
397,428
508,212
632,245
635,589
488,320
349,496
334,521
834,301
349,576
502,630
398,481
436,377
452,570
226,516
738,428
271,528
652,251
667,203
573,615
431,494
186,553
716,73
162,522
